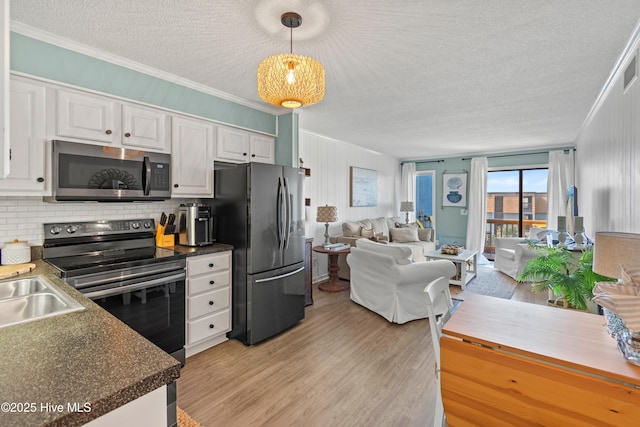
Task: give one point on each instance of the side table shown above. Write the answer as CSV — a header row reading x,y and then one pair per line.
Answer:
x,y
334,284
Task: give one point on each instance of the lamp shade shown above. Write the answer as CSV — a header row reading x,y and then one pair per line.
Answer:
x,y
406,207
614,251
327,214
290,80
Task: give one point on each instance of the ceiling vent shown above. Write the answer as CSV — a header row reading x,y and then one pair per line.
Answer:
x,y
630,72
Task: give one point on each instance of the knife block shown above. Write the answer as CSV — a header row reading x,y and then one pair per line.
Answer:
x,y
163,240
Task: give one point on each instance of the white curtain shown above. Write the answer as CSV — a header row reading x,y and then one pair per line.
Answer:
x,y
408,190
477,219
561,176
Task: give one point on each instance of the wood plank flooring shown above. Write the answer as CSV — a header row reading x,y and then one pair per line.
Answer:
x,y
343,365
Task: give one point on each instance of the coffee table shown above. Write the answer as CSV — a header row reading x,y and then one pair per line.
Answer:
x,y
466,263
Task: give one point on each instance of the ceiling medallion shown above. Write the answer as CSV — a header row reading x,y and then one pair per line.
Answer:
x,y
290,80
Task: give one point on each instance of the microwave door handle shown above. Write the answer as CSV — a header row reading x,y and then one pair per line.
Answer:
x,y
146,175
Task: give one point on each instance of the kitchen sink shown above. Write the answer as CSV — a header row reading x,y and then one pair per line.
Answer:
x,y
33,298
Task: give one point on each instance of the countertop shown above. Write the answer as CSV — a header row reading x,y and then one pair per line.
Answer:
x,y
200,250
85,357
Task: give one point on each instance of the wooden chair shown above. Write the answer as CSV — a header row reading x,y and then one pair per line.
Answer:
x,y
439,307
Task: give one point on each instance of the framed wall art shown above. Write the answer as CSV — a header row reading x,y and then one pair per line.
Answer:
x,y
363,185
454,189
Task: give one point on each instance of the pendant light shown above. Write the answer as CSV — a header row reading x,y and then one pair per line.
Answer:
x,y
290,80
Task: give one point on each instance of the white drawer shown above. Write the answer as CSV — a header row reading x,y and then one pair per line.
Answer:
x,y
208,303
208,263
208,282
209,326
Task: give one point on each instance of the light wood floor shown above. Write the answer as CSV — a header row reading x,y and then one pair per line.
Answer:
x,y
343,365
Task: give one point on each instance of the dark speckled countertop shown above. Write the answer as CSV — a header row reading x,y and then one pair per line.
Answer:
x,y
82,357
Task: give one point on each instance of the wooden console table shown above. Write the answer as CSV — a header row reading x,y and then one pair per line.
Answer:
x,y
334,284
512,363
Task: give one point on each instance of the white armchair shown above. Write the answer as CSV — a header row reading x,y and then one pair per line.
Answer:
x,y
386,281
512,255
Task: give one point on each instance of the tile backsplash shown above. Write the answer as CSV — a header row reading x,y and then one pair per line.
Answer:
x,y
22,217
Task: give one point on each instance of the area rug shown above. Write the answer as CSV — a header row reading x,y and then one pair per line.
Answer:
x,y
185,420
489,282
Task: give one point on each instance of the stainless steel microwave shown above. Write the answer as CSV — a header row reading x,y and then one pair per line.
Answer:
x,y
84,172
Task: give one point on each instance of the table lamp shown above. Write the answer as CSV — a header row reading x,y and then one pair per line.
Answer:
x,y
614,251
327,214
406,207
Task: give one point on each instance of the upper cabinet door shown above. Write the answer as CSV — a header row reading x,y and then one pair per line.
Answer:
x,y
192,157
87,116
27,173
262,149
4,88
144,127
232,145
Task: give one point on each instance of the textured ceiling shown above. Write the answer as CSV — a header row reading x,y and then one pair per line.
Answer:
x,y
413,79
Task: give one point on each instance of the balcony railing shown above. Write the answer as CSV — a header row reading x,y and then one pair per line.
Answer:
x,y
507,228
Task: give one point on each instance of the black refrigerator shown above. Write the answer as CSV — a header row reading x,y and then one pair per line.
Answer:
x,y
259,209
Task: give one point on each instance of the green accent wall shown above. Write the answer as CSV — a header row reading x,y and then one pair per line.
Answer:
x,y
287,140
451,226
52,62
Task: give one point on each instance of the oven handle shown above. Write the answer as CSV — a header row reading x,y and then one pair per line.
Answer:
x,y
134,287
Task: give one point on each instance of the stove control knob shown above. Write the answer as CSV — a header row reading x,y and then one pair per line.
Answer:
x,y
55,230
72,229
135,225
147,224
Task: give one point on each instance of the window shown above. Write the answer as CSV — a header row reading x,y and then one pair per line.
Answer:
x,y
425,197
516,201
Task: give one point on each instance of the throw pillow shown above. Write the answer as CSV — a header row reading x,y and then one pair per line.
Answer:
x,y
350,229
425,234
419,224
403,235
379,225
536,233
366,232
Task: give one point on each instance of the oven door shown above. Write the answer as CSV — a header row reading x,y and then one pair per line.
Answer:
x,y
83,172
154,307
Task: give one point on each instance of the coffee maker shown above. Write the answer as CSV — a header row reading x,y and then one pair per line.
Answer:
x,y
196,225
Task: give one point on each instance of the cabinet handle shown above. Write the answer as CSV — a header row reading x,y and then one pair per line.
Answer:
x,y
253,155
211,282
211,326
108,132
127,134
211,265
41,179
244,154
175,186
210,302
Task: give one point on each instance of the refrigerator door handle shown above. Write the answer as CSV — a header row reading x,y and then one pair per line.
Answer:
x,y
288,214
280,219
282,276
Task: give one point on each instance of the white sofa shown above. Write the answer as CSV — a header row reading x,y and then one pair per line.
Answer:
x,y
419,240
385,280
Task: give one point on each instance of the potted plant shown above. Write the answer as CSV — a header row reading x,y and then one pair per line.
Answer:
x,y
558,271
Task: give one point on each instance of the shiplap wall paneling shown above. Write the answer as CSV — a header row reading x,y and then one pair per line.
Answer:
x,y
330,162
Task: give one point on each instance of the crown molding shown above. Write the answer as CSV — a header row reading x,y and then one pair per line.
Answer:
x,y
35,33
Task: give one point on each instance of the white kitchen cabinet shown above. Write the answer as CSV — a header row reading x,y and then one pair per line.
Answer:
x,y
208,301
262,148
96,119
87,116
239,146
27,143
4,89
145,128
192,157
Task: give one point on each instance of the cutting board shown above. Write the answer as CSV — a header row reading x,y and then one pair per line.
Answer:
x,y
14,270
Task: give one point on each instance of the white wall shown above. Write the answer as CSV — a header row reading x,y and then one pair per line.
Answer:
x,y
22,218
608,155
330,162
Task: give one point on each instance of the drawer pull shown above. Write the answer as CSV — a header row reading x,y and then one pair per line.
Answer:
x,y
211,264
211,282
211,303
127,134
211,326
108,132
